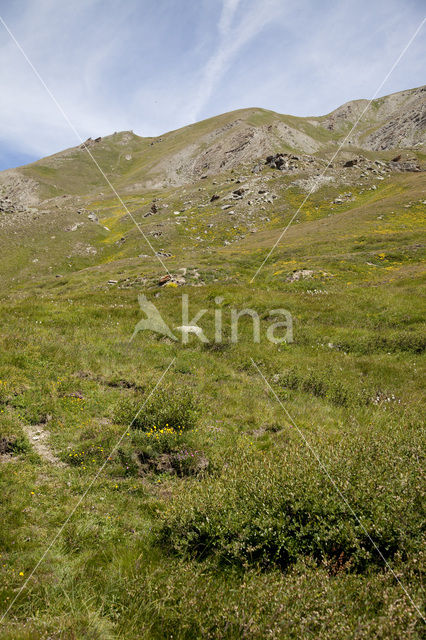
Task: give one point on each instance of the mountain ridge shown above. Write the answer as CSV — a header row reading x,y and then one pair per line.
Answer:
x,y
229,180
226,141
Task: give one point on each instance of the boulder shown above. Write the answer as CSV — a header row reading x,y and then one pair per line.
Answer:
x,y
239,191
300,274
162,281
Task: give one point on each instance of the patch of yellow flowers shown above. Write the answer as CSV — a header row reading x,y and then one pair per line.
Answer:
x,y
157,433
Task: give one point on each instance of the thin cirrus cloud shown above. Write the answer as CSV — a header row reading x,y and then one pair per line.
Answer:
x,y
229,8
231,39
156,65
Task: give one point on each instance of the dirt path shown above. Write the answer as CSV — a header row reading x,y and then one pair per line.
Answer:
x,y
38,438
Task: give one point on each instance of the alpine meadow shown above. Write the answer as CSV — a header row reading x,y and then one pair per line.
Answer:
x,y
211,380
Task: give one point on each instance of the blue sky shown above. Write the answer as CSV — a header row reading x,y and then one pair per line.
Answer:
x,y
156,65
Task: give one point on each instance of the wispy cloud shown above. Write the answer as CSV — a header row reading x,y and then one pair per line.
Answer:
x,y
229,8
233,35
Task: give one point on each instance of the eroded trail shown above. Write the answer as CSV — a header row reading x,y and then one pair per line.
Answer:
x,y
38,438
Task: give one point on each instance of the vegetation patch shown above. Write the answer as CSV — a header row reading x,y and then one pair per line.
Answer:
x,y
168,407
321,385
271,509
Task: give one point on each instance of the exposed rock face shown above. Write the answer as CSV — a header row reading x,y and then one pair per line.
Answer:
x,y
406,122
405,130
296,139
17,192
392,122
350,111
18,197
395,121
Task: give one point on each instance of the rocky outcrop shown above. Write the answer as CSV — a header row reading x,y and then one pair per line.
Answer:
x,y
18,194
396,121
90,143
289,161
404,131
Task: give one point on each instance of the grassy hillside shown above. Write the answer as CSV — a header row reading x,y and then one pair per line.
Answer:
x,y
229,507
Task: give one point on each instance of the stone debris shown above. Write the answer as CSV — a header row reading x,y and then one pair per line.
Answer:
x,y
284,161
74,227
407,165
300,274
377,167
341,198
153,210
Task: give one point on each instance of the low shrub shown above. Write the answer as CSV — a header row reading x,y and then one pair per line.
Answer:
x,y
169,450
277,507
13,445
13,440
169,407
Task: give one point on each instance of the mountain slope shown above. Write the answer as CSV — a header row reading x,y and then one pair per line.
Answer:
x,y
211,517
394,121
238,138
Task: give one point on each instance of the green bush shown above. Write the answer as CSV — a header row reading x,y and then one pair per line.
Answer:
x,y
160,432
172,407
169,450
272,509
12,438
14,445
